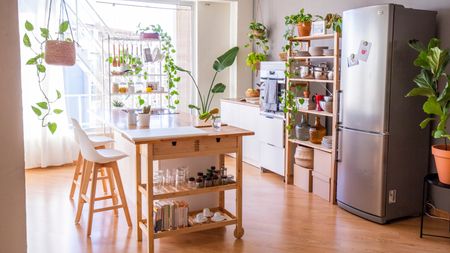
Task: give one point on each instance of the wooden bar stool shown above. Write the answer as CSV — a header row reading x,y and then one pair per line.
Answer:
x,y
99,142
97,159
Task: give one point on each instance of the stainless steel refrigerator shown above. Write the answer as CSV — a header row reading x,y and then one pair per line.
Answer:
x,y
383,154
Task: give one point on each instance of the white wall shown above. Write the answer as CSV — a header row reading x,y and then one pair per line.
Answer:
x,y
12,173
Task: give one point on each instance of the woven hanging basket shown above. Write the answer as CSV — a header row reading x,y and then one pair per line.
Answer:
x,y
58,52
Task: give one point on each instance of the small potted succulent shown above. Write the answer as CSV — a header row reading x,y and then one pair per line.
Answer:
x,y
433,83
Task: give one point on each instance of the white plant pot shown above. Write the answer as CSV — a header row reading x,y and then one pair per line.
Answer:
x,y
143,120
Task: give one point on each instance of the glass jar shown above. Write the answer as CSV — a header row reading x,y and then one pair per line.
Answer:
x,y
302,129
208,182
223,171
217,123
230,179
191,183
199,183
224,180
317,132
216,180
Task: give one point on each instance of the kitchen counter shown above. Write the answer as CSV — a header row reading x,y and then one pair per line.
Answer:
x,y
240,101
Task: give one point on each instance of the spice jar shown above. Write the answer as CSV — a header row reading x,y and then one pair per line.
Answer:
x,y
216,180
199,183
191,183
208,182
223,180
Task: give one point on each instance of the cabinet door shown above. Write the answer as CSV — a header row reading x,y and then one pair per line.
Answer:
x,y
249,121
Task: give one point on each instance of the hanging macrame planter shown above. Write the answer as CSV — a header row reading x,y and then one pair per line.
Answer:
x,y
62,50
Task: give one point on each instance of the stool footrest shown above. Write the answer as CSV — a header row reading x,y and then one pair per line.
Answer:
x,y
107,208
104,197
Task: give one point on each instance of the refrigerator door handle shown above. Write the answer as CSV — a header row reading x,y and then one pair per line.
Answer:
x,y
340,106
339,146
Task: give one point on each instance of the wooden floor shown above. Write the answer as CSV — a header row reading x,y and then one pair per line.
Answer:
x,y
277,218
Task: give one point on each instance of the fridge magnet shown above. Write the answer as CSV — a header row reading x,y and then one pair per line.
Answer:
x,y
352,60
364,50
318,28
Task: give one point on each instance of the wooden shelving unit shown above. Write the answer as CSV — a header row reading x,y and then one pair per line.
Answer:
x,y
290,142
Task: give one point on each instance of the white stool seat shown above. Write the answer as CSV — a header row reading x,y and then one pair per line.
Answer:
x,y
99,140
110,155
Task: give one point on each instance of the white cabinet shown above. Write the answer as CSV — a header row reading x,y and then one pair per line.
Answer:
x,y
271,137
244,116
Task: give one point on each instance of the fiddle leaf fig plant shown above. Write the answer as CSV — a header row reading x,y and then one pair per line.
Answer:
x,y
45,108
433,60
220,64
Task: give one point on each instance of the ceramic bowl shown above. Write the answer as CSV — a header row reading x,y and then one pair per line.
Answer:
x,y
316,51
328,52
328,98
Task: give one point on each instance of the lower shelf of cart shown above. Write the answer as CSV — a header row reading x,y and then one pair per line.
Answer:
x,y
230,219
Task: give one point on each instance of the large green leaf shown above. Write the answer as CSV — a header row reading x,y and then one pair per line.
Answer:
x,y
218,88
434,42
420,91
52,127
28,26
424,79
437,60
445,95
227,59
431,106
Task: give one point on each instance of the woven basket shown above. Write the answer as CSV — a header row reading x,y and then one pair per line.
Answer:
x,y
304,157
58,52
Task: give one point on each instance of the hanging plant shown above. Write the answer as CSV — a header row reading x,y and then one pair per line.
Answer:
x,y
257,36
169,67
45,108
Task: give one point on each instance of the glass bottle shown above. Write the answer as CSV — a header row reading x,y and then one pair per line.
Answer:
x,y
317,132
302,129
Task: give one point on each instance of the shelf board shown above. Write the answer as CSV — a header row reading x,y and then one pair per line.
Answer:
x,y
313,37
138,93
172,192
315,112
230,220
323,57
311,80
311,145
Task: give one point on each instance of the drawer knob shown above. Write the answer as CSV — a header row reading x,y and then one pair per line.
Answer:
x,y
217,139
174,143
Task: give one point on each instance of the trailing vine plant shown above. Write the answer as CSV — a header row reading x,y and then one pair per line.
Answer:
x,y
169,68
257,35
43,109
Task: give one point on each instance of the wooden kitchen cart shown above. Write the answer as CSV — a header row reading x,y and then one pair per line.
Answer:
x,y
290,142
210,142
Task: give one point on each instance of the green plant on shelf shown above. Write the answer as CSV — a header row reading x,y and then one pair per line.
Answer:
x,y
169,67
332,21
221,63
289,98
43,109
117,104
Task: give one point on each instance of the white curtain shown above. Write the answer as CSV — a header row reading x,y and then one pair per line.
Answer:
x,y
42,148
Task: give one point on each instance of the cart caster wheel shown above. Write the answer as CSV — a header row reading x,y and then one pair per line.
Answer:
x,y
238,233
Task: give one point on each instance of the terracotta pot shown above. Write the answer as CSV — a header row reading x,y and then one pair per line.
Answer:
x,y
304,29
442,159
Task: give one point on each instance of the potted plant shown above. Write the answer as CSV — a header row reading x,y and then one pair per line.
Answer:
x,y
257,36
433,83
143,118
290,24
221,63
333,21
303,21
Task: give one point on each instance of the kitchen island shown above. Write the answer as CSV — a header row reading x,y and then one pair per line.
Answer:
x,y
172,141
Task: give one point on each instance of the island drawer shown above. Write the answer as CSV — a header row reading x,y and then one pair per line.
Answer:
x,y
217,143
173,147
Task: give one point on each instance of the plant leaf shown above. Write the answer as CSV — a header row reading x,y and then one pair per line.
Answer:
x,y
191,106
41,68
43,105
420,91
181,69
437,60
218,88
31,61
58,94
52,127
204,116
434,42
227,59
416,45
425,122
431,106
26,40
44,32
36,111
57,111
63,26
29,26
